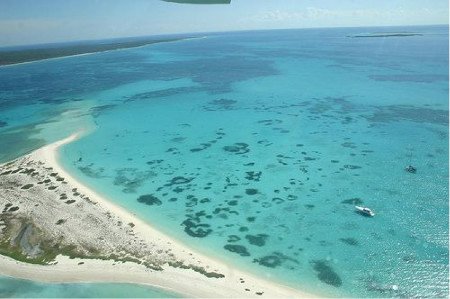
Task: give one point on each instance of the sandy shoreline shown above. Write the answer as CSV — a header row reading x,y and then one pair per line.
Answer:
x,y
97,52
183,280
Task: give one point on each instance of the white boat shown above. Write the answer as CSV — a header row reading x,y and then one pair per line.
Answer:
x,y
365,211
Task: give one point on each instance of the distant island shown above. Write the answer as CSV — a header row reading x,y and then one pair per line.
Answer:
x,y
15,55
386,34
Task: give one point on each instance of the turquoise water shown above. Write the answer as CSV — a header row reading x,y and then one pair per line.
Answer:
x,y
254,147
19,288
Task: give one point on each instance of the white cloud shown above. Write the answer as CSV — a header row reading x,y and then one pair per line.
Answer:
x,y
315,16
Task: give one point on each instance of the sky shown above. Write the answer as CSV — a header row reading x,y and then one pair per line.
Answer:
x,y
25,22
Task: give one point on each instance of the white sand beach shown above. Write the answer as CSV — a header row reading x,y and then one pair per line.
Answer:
x,y
109,234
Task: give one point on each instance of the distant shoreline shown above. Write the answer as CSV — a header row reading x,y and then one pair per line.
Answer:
x,y
22,56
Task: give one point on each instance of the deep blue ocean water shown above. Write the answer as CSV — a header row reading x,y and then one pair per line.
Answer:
x,y
255,147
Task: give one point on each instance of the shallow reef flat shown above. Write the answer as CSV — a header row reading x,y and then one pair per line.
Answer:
x,y
53,229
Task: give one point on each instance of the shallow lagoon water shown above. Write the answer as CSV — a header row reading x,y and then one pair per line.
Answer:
x,y
254,147
19,288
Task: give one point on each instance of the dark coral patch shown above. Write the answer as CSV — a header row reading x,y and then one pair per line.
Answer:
x,y
269,122
149,199
292,197
178,189
271,261
203,146
191,201
239,249
277,200
193,226
237,148
200,230
220,105
253,175
179,180
205,200
178,139
349,241
152,162
233,238
258,240
251,191
349,144
326,273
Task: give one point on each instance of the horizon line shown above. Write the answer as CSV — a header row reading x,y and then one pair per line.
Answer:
x,y
80,41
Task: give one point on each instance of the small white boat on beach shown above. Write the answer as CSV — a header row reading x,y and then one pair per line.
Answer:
x,y
365,211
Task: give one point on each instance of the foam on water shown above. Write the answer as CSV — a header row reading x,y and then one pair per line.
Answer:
x,y
254,147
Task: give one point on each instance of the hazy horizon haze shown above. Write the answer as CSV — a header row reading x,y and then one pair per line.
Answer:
x,y
28,22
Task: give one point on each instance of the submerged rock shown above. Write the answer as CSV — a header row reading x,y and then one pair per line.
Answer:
x,y
326,273
271,261
238,148
149,199
258,240
253,175
349,241
239,249
251,191
196,230
179,180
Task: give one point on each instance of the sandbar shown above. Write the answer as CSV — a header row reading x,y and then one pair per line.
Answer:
x,y
103,241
